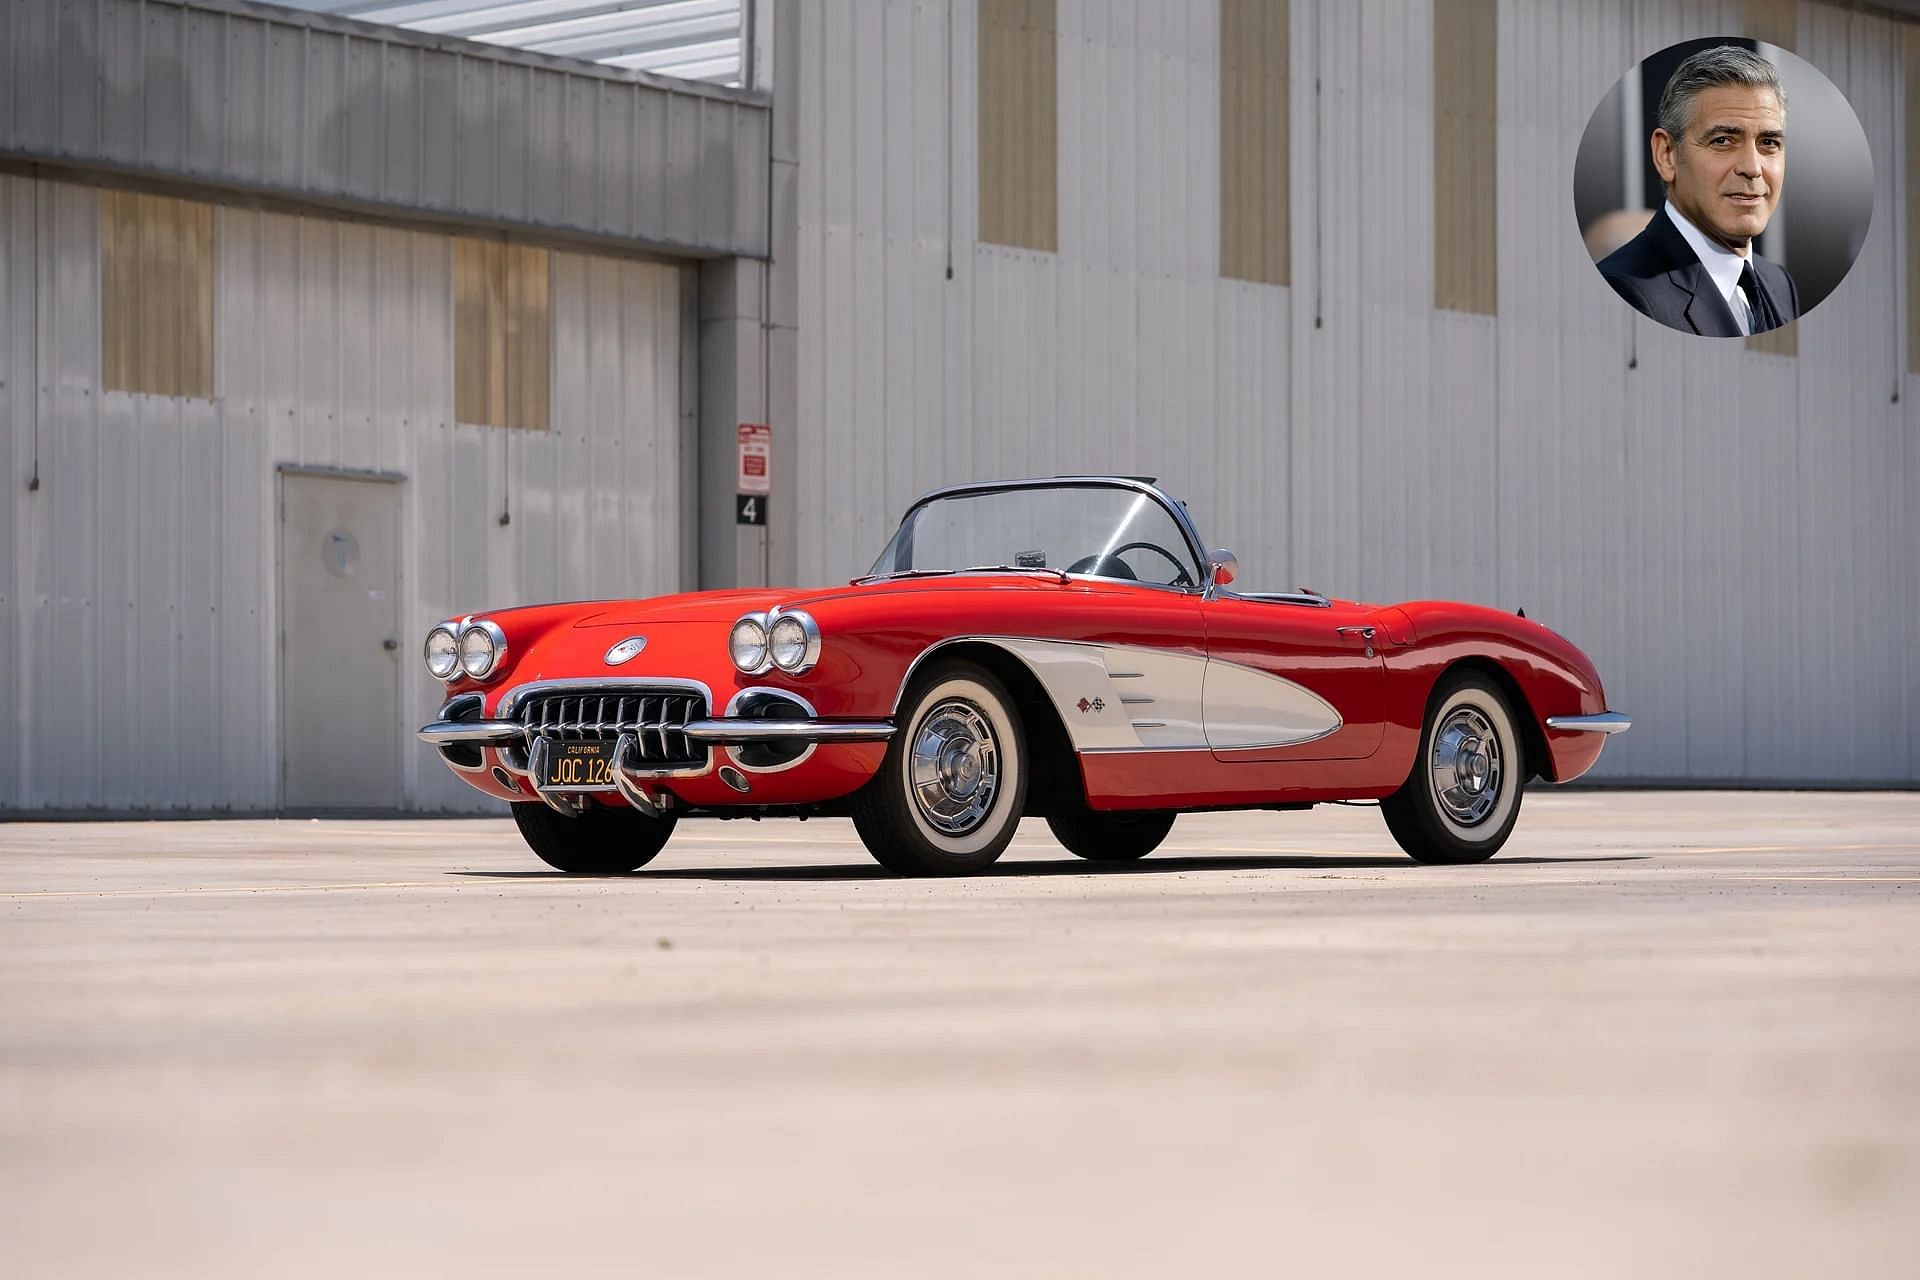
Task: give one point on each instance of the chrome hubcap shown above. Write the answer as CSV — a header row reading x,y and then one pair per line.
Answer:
x,y
955,767
1466,766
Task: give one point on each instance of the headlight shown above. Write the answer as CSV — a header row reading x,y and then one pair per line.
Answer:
x,y
793,642
482,645
442,653
747,643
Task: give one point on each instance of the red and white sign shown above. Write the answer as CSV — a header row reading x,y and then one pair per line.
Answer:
x,y
756,458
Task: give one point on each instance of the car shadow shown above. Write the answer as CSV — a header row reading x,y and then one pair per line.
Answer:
x,y
1018,870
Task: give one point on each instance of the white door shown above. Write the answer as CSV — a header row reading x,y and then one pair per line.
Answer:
x,y
339,642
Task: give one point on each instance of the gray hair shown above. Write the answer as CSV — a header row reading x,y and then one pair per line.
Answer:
x,y
1725,64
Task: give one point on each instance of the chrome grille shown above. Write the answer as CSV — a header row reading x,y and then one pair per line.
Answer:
x,y
654,717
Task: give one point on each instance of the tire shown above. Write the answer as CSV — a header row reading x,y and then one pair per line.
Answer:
x,y
601,841
1459,804
960,739
1111,837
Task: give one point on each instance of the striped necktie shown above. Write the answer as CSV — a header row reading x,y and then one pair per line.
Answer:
x,y
1758,303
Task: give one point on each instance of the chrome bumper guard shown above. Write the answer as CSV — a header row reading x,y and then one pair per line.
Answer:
x,y
1605,722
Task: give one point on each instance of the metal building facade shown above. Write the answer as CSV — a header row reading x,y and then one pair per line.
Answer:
x,y
141,598
1730,534
137,595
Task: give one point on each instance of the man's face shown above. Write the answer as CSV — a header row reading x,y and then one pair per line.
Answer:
x,y
1725,175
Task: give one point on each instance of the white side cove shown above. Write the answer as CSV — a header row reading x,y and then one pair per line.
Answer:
x,y
1125,698
1248,708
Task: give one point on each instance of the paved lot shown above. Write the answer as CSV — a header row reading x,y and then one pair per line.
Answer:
x,y
1667,1034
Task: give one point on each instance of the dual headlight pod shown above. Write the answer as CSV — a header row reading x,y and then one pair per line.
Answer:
x,y
475,648
787,640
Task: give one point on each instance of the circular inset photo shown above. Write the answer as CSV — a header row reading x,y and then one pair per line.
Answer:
x,y
1723,187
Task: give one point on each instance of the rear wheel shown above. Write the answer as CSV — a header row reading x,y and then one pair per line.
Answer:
x,y
601,841
951,788
1110,837
1461,800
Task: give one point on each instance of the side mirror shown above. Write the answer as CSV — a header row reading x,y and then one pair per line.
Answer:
x,y
1222,568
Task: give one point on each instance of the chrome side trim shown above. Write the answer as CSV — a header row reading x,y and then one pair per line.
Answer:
x,y
1604,722
482,732
744,731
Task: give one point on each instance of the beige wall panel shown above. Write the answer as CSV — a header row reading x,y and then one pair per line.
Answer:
x,y
1465,79
156,280
195,286
119,289
527,337
1776,22
1255,187
474,276
1019,124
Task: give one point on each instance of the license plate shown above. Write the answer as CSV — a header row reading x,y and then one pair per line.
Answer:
x,y
579,764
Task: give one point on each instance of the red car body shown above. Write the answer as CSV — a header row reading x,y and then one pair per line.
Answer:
x,y
1193,729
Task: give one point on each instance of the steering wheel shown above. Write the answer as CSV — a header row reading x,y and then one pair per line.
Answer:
x,y
1180,575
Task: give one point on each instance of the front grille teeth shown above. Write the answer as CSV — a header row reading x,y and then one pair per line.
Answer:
x,y
655,718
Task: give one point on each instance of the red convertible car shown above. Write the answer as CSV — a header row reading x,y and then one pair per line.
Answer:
x,y
1064,648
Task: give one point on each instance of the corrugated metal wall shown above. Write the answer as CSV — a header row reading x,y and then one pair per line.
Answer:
x,y
1730,534
137,586
314,107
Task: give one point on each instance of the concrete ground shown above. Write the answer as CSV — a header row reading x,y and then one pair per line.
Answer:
x,y
1665,1034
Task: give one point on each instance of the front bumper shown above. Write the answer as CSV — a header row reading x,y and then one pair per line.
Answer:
x,y
724,731
1604,722
631,775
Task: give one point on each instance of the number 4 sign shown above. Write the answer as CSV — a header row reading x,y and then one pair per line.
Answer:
x,y
755,480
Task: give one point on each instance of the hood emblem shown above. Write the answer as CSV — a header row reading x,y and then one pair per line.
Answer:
x,y
626,650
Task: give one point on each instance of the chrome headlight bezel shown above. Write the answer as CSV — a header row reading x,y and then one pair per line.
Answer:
x,y
452,652
808,642
494,650
759,652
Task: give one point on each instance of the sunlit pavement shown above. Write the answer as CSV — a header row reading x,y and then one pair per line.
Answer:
x,y
1664,1034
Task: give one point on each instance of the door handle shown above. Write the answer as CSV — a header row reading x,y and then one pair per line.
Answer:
x,y
389,644
1365,633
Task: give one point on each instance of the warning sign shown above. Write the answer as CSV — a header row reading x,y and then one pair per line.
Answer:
x,y
756,457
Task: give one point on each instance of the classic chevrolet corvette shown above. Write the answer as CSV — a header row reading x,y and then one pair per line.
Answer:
x,y
1063,648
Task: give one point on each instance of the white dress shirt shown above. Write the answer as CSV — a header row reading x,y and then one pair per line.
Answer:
x,y
1723,266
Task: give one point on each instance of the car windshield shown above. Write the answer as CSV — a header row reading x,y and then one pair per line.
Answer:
x,y
1103,531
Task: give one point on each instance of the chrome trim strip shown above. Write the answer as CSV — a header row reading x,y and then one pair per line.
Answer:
x,y
744,731
443,733
1604,722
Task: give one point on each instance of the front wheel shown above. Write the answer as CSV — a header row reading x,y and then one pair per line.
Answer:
x,y
601,840
1460,802
954,781
1110,837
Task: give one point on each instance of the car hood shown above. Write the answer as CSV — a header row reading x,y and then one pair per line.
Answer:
x,y
725,606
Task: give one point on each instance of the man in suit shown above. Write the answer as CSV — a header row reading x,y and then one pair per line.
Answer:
x,y
1720,147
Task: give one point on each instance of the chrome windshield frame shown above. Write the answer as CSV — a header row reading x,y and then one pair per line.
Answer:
x,y
1173,507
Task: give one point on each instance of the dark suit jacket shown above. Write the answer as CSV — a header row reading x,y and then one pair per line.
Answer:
x,y
1662,278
